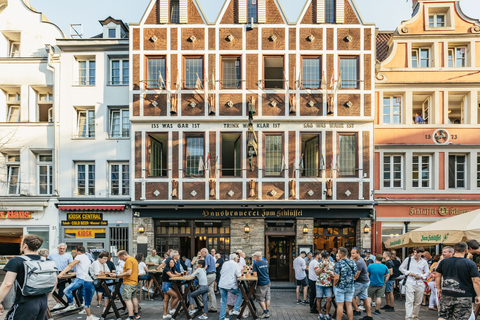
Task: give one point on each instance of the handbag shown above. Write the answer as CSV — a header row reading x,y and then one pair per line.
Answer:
x,y
97,283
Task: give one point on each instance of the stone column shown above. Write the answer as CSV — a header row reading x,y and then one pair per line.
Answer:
x,y
364,240
248,243
138,238
301,238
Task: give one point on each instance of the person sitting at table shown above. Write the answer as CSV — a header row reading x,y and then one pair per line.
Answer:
x,y
167,289
201,276
142,271
262,295
82,263
153,261
228,283
99,268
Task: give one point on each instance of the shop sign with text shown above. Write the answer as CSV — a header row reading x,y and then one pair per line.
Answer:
x,y
433,211
15,215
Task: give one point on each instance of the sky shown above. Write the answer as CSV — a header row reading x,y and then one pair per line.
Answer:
x,y
386,14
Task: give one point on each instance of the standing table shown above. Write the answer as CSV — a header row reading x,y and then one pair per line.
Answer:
x,y
247,285
183,301
157,286
57,312
112,296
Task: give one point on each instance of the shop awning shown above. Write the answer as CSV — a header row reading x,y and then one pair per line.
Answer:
x,y
91,208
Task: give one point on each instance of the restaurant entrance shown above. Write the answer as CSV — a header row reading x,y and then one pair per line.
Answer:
x,y
280,254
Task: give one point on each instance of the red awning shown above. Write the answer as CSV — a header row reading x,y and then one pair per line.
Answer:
x,y
91,208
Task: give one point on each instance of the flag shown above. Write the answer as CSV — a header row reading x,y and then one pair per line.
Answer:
x,y
323,85
216,166
300,165
178,80
322,163
161,83
198,84
200,164
283,162
339,82
299,82
212,80
167,76
332,79
207,163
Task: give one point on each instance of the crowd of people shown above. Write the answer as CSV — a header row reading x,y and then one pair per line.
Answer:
x,y
349,282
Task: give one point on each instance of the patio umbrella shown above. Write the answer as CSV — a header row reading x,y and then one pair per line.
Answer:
x,y
458,228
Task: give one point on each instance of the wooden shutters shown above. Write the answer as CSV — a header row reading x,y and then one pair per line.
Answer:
x,y
163,11
320,11
340,11
262,13
183,11
242,11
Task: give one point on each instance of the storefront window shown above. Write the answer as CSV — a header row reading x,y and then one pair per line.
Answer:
x,y
42,232
327,238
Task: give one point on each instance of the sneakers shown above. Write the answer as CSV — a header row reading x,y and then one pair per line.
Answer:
x,y
144,289
321,317
168,316
327,317
357,313
58,306
262,315
151,291
70,308
373,304
137,316
267,314
385,307
299,301
234,313
391,309
361,307
305,302
192,312
377,312
92,317
83,312
172,312
203,317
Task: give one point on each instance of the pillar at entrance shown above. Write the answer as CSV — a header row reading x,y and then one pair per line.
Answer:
x,y
147,238
364,240
247,242
304,238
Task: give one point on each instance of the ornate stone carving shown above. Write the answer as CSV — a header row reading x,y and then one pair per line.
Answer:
x,y
153,39
192,38
348,38
348,104
230,38
230,104
310,38
193,104
272,37
311,104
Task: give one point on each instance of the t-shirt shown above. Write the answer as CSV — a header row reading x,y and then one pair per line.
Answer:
x,y
362,267
111,265
325,278
131,263
377,273
141,268
151,259
210,263
389,264
346,269
96,267
312,275
165,276
201,275
396,268
299,266
61,260
16,265
83,265
457,274
220,264
261,268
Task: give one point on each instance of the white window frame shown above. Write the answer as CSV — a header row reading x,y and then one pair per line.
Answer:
x,y
454,57
420,164
87,184
392,98
87,72
478,170
392,171
49,165
418,52
49,101
122,112
112,29
435,15
121,166
10,165
89,135
11,52
10,113
465,172
122,76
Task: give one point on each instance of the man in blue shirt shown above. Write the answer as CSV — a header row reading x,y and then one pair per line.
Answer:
x,y
211,276
61,259
379,275
260,270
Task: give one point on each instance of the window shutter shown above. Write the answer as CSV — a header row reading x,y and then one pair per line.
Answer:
x,y
242,11
340,14
320,11
163,8
183,6
262,14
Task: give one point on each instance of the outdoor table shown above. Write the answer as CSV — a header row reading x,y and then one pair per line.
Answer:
x,y
183,301
68,279
247,287
157,286
112,296
477,311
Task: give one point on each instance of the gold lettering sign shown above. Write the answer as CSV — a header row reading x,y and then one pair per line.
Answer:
x,y
15,215
263,213
85,216
441,211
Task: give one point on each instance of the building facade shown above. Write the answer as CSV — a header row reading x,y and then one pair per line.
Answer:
x,y
427,159
94,141
29,104
251,131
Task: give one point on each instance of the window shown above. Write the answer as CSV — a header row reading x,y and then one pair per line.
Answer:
x,y
330,11
231,155
421,102
194,155
273,155
86,72
421,171
174,11
311,72
119,123
45,174
436,20
14,49
457,108
393,171
119,71
85,179
347,156
112,33
231,72
273,73
456,171
158,154
392,110
349,72
457,57
155,68
194,72
311,163
13,174
421,58
86,123
44,107
13,113
119,179
252,11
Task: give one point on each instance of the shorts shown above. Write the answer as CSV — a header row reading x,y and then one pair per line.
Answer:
x,y
166,286
342,295
129,292
262,293
454,308
361,290
376,291
34,309
303,282
145,277
324,292
389,287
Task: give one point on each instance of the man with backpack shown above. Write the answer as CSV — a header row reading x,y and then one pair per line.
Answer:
x,y
30,297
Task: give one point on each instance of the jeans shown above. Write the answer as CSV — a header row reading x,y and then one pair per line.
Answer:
x,y
88,291
202,290
61,288
223,301
413,299
312,287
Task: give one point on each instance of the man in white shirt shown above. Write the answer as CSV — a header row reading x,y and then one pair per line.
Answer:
x,y
228,283
415,270
312,281
241,256
300,266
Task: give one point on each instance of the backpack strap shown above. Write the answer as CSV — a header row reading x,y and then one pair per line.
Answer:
x,y
25,258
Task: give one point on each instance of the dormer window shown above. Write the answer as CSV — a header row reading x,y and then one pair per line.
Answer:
x,y
436,20
174,11
330,8
112,33
439,16
12,44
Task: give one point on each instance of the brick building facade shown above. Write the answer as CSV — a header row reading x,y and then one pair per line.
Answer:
x,y
251,131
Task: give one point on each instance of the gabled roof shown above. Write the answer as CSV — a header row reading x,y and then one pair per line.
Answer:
x,y
119,22
383,37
